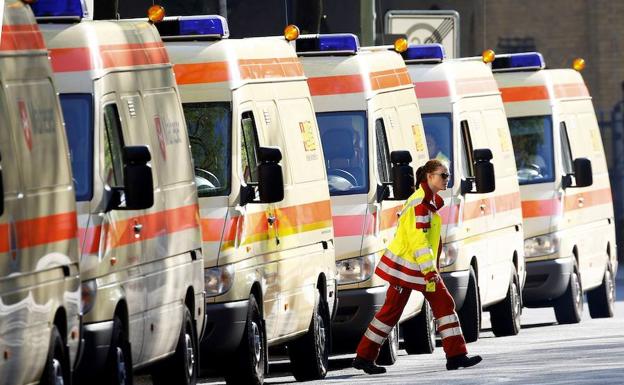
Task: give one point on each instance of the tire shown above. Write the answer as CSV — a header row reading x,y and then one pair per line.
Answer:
x,y
183,366
505,316
390,349
470,313
247,364
419,332
309,354
569,307
118,367
602,299
56,371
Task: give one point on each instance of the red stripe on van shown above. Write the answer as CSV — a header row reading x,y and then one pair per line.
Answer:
x,y
549,207
472,210
21,37
432,89
39,231
358,225
476,86
523,94
108,56
335,85
571,90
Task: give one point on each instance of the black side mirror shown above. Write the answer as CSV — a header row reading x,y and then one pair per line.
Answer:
x,y
583,174
138,182
484,179
270,178
402,174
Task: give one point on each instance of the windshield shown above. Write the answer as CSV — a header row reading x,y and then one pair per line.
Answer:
x,y
533,148
78,115
345,146
439,133
209,129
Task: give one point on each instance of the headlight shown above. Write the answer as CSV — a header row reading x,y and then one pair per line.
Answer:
x,y
448,255
88,293
218,280
541,245
354,270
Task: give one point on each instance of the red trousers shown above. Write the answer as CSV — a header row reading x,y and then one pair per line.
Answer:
x,y
387,317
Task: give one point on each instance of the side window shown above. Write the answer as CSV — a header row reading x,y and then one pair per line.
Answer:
x,y
566,151
113,145
383,154
467,148
249,147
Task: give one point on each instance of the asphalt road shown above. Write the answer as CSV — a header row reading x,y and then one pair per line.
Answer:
x,y
591,352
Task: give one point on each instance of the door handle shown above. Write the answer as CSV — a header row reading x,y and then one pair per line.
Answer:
x,y
482,206
271,219
137,228
581,201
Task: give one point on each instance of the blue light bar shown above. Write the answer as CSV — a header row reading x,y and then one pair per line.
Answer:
x,y
330,43
424,53
518,62
183,27
59,9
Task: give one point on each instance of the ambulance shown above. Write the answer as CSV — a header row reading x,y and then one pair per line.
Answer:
x,y
367,114
265,209
482,263
39,275
566,196
141,263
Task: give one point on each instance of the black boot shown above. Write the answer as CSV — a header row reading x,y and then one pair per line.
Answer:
x,y
368,367
462,361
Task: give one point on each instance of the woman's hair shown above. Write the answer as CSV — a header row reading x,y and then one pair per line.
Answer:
x,y
429,167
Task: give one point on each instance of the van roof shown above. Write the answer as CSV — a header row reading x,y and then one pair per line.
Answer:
x,y
20,32
543,85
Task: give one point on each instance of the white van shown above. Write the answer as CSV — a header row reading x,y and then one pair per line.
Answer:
x,y
367,113
265,209
141,261
39,277
483,256
566,196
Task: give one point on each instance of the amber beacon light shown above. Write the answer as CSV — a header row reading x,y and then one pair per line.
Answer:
x,y
578,64
156,13
400,45
291,32
488,56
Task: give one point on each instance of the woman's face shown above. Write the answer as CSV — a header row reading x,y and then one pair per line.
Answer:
x,y
438,179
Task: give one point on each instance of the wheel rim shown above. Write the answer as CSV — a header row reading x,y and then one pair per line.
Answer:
x,y
190,354
394,340
431,322
610,288
321,338
578,295
121,366
57,369
257,342
515,304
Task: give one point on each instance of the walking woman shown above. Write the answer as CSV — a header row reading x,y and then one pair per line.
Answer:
x,y
410,263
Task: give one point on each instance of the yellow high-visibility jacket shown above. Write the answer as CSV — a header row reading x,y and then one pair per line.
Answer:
x,y
411,258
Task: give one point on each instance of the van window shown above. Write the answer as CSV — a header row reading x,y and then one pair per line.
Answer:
x,y
345,146
113,145
78,114
566,151
209,129
533,148
439,133
8,161
467,148
383,155
249,147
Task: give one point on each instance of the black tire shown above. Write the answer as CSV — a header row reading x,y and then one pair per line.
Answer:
x,y
247,364
309,354
56,370
118,368
419,332
569,307
390,349
470,313
183,366
602,299
505,315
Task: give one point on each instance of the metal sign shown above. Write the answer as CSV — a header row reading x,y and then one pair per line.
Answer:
x,y
424,27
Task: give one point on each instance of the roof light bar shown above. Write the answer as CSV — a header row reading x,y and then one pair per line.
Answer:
x,y
60,9
338,43
528,61
196,27
424,53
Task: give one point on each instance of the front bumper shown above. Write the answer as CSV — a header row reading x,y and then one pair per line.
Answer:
x,y
225,325
546,280
97,340
356,309
457,284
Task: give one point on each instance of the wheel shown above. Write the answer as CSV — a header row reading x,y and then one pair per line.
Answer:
x,y
569,307
309,354
56,371
470,313
247,365
419,332
182,367
118,368
390,349
601,299
505,316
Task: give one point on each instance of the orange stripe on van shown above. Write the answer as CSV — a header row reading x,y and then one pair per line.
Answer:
x,y
571,90
198,73
549,207
335,85
21,37
390,78
472,210
108,56
358,225
39,231
523,94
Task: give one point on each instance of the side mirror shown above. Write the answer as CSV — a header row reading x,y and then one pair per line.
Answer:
x,y
583,175
402,174
138,182
270,179
484,179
